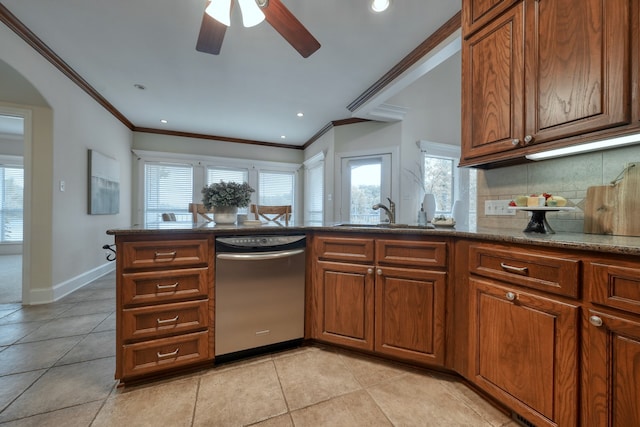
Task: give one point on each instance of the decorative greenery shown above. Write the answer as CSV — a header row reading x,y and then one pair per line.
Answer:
x,y
226,194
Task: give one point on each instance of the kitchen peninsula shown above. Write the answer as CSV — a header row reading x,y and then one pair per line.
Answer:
x,y
535,321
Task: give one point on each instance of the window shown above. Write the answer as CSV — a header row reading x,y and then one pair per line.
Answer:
x,y
276,188
366,181
314,190
168,189
454,188
11,203
217,174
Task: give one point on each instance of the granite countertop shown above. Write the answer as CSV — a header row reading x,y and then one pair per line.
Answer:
x,y
577,241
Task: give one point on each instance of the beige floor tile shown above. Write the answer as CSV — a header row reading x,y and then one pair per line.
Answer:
x,y
313,376
91,307
63,387
12,332
108,324
106,293
37,355
36,312
94,346
11,386
167,404
419,399
279,421
479,405
76,416
353,409
238,397
66,327
78,295
370,370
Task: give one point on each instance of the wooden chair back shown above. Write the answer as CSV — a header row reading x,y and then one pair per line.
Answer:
x,y
169,216
275,214
199,209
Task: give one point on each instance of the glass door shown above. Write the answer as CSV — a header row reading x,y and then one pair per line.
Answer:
x,y
366,180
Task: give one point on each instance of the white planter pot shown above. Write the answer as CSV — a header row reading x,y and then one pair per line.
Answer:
x,y
225,215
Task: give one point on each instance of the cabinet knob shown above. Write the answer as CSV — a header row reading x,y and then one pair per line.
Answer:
x,y
515,141
379,272
595,320
370,271
528,139
510,296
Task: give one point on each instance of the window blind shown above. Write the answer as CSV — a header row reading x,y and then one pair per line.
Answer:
x,y
276,188
168,189
314,194
11,203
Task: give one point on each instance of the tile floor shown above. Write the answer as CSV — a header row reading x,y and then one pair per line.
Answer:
x,y
57,363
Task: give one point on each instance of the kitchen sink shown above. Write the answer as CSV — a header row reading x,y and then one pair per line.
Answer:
x,y
384,225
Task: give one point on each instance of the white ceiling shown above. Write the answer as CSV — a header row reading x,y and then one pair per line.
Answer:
x,y
258,83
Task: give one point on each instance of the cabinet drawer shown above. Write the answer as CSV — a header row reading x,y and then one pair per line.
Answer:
x,y
411,253
153,287
164,354
546,272
614,286
164,253
344,249
159,320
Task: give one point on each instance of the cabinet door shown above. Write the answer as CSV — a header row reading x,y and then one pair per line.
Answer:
x,y
476,13
344,297
577,66
493,86
524,351
410,313
611,371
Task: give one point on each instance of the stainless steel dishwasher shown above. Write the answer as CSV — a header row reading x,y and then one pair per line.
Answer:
x,y
259,293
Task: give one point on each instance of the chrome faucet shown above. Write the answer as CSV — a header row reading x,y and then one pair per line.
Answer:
x,y
391,210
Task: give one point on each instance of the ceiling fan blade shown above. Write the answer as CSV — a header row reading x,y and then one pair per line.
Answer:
x,y
211,35
283,21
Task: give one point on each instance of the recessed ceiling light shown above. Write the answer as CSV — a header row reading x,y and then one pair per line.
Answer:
x,y
283,137
379,5
301,114
139,86
163,121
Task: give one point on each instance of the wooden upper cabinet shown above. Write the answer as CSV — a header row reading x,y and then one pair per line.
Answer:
x,y
577,62
477,13
493,86
544,71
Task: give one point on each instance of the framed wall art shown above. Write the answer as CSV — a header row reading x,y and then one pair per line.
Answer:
x,y
104,184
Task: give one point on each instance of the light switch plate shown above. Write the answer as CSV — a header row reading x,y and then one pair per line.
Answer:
x,y
498,207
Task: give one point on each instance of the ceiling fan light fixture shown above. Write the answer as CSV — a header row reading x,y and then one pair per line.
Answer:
x,y
379,5
220,10
251,13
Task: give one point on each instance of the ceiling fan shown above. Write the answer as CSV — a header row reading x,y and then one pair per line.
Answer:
x,y
212,31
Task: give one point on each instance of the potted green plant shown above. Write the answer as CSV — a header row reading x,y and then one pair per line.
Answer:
x,y
224,198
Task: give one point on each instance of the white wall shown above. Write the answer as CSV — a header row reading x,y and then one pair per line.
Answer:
x,y
64,249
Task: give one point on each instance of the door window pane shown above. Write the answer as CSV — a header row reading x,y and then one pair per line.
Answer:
x,y
168,189
439,180
314,195
365,191
11,203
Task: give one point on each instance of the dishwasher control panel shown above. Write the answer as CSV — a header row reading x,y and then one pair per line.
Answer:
x,y
261,241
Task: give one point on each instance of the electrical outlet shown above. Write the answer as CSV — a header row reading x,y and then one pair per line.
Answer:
x,y
498,207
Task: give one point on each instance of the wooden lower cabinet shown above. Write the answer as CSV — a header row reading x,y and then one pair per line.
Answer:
x,y
523,350
393,303
344,295
410,314
611,370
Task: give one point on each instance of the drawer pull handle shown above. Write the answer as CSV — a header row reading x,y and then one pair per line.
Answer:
x,y
159,286
512,269
510,296
173,353
595,320
163,322
166,254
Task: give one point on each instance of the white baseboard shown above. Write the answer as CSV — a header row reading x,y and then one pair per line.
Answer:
x,y
48,295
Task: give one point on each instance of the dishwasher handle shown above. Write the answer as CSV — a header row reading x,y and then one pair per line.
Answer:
x,y
259,256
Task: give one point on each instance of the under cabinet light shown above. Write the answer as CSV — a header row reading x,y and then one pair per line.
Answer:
x,y
586,148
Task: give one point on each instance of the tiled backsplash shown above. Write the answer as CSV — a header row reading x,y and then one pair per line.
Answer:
x,y
568,177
